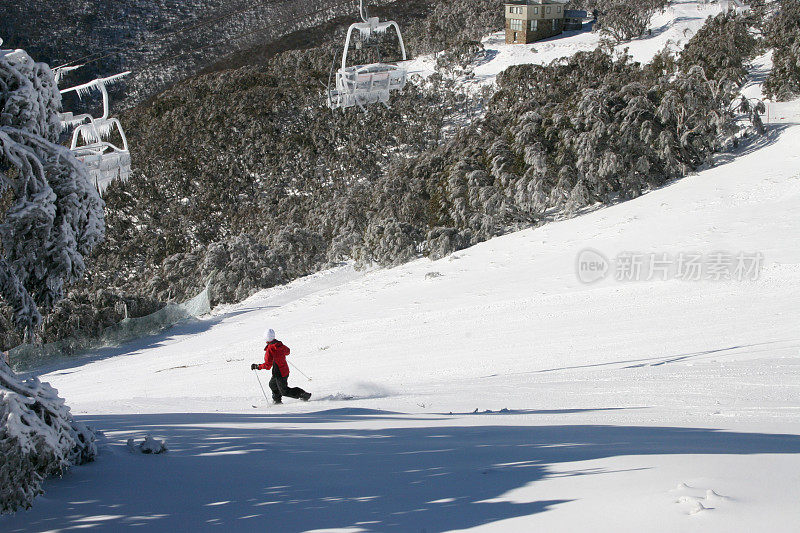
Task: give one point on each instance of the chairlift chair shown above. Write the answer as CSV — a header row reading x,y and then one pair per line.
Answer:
x,y
91,143
367,84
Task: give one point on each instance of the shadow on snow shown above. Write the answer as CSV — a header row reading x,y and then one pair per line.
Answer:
x,y
255,472
68,364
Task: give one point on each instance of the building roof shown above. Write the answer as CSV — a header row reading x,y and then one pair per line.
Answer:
x,y
533,2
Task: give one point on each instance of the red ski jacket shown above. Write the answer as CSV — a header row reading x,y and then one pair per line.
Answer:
x,y
276,353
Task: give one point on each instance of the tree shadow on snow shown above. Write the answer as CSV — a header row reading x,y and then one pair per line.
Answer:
x,y
269,473
752,143
67,364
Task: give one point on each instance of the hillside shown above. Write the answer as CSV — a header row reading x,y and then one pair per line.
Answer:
x,y
163,41
244,179
552,288
215,153
649,405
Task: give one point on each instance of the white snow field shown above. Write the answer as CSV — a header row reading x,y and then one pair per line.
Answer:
x,y
623,405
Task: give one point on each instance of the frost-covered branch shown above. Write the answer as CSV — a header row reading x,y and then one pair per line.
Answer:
x,y
55,216
38,438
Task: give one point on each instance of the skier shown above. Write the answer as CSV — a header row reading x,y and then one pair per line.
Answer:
x,y
275,358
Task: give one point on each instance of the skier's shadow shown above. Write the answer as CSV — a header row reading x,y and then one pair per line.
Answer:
x,y
274,473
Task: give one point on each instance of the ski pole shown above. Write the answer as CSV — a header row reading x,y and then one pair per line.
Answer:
x,y
262,387
308,378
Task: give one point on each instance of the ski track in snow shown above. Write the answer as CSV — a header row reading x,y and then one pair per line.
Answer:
x,y
490,390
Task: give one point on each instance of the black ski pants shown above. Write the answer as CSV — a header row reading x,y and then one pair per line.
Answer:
x,y
279,386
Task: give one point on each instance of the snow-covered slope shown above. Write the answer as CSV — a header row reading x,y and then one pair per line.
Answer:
x,y
657,404
628,401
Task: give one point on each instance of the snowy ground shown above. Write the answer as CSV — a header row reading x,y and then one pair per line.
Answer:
x,y
650,405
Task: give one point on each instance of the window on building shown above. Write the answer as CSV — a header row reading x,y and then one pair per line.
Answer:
x,y
534,25
536,10
558,9
555,24
516,25
549,9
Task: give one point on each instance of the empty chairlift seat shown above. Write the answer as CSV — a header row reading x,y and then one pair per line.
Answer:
x,y
92,138
362,85
104,160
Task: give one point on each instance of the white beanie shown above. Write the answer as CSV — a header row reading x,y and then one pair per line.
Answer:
x,y
269,335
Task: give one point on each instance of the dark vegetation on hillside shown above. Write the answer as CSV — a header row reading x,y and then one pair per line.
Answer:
x,y
162,41
244,179
782,32
240,175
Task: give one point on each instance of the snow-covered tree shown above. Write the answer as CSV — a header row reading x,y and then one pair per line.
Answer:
x,y
38,438
783,34
389,242
721,48
624,20
52,215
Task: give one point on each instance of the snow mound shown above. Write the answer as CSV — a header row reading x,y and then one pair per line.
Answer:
x,y
148,446
697,507
698,499
712,496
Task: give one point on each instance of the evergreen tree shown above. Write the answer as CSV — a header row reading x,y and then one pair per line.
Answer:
x,y
53,216
624,20
783,34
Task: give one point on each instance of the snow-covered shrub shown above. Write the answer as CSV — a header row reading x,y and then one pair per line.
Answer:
x,y
452,22
240,266
457,60
390,242
38,438
610,130
88,313
441,242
